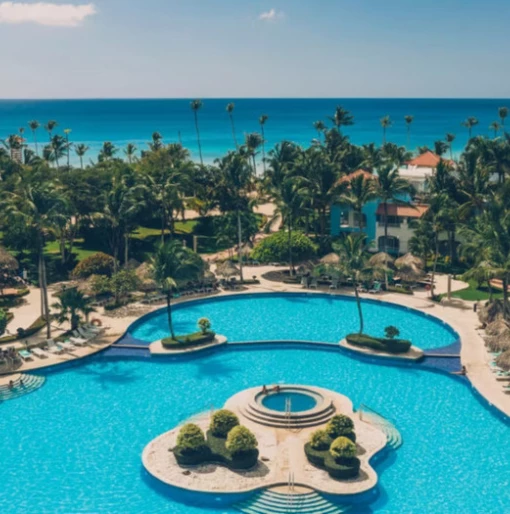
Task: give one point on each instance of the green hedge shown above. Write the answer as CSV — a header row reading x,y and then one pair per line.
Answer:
x,y
275,248
342,469
189,340
379,343
37,325
402,290
216,451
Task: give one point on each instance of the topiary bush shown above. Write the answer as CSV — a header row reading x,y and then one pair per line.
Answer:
x,y
380,344
342,448
240,441
204,325
340,425
222,422
97,264
191,439
320,440
276,247
391,332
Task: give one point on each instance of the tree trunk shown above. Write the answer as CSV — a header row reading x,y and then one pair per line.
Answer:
x,y
436,253
169,313
81,161
239,245
358,303
163,226
233,131
198,139
36,147
505,297
291,267
126,249
386,227
44,290
263,150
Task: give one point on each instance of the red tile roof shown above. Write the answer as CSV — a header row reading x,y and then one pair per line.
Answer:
x,y
354,174
427,159
406,211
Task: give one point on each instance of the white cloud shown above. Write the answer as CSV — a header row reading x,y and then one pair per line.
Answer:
x,y
44,13
271,15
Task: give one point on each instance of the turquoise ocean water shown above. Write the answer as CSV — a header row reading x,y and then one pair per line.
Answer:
x,y
133,121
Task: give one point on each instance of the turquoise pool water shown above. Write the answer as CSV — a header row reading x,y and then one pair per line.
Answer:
x,y
74,446
295,317
299,402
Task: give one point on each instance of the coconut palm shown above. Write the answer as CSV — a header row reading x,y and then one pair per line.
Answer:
x,y
130,152
469,123
440,148
360,191
262,122
50,127
450,138
503,113
341,118
496,127
170,263
70,303
386,123
196,105
58,148
320,127
252,142
354,259
230,111
108,151
34,125
80,150
67,131
157,141
408,119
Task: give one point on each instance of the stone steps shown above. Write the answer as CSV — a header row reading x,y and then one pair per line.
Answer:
x,y
30,384
393,436
271,502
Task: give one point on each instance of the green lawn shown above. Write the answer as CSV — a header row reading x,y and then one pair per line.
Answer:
x,y
475,294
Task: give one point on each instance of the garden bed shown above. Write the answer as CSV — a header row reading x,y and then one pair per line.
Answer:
x,y
37,325
187,341
344,469
379,343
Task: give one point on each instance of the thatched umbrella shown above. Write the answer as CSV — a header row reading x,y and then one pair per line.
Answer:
x,y
409,260
305,268
209,276
499,343
330,258
227,269
503,360
7,261
496,327
409,273
146,281
382,260
491,311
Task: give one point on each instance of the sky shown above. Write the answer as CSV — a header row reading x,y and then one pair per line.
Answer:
x,y
253,48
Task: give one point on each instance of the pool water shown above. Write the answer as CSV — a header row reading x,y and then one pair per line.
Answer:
x,y
74,446
295,317
298,402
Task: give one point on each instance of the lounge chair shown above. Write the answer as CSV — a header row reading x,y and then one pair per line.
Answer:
x,y
313,283
66,345
92,328
77,339
53,347
40,353
376,289
304,282
25,355
334,284
82,333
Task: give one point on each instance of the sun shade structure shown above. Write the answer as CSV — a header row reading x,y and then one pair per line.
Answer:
x,y
491,311
497,327
503,360
7,261
382,260
330,258
499,343
409,260
227,269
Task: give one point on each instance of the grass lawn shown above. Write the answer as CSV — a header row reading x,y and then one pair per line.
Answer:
x,y
474,294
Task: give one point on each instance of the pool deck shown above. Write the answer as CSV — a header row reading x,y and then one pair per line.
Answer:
x,y
281,451
458,314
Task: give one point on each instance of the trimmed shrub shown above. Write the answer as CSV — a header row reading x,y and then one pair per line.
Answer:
x,y
379,343
240,441
222,422
100,284
204,325
97,264
391,332
195,339
347,468
191,439
320,440
276,247
342,448
340,425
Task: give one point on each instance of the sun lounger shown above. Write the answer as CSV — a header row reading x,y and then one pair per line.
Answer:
x,y
40,353
313,284
66,345
78,340
25,355
92,328
376,289
84,334
334,284
53,347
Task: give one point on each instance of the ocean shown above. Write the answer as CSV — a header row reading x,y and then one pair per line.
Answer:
x,y
133,121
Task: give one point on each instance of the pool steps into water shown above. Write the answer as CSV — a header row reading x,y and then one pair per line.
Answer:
x,y
30,384
272,502
393,436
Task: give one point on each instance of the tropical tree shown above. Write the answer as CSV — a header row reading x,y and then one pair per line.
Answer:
x,y
108,151
408,119
469,123
81,149
496,127
50,127
130,152
171,263
251,143
320,127
503,113
70,303
262,122
67,131
157,141
196,105
360,191
230,111
354,257
58,148
386,123
341,118
450,138
34,125
440,148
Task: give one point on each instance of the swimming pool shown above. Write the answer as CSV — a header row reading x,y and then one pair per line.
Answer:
x,y
295,317
294,401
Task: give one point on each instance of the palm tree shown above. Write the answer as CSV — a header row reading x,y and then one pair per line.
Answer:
x,y
342,118
67,131
81,149
130,152
450,138
386,123
34,125
440,148
157,141
58,148
230,110
50,127
262,122
196,105
469,123
252,142
108,151
408,119
354,264
496,127
503,113
170,263
360,191
320,127
71,303
390,187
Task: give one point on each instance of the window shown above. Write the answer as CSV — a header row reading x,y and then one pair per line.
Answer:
x,y
393,221
390,244
357,220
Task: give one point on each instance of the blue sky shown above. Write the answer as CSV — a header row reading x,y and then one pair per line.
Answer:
x,y
236,48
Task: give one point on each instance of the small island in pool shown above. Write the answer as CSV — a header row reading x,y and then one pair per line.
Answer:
x,y
250,443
